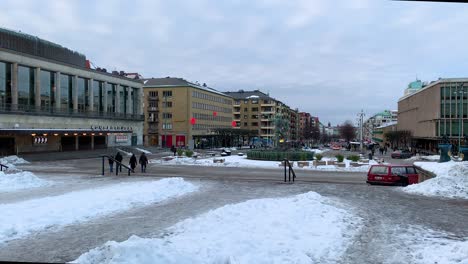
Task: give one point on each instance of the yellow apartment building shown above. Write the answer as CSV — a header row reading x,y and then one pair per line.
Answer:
x,y
181,113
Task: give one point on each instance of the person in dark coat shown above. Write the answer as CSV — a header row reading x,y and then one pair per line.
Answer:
x,y
174,149
111,163
143,162
133,162
119,158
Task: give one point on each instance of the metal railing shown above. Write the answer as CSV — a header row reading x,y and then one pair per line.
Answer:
x,y
67,112
116,167
3,166
290,170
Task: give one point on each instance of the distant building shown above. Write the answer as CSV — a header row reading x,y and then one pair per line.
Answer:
x,y
51,100
377,120
378,134
414,87
182,113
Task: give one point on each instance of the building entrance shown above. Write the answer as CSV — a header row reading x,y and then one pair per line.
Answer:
x,y
7,146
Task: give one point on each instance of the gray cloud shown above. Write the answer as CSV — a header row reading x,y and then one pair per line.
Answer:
x,y
331,58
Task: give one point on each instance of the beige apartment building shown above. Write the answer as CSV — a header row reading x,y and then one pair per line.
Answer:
x,y
255,110
181,113
438,109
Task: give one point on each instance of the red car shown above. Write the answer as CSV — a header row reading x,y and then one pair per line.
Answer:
x,y
402,175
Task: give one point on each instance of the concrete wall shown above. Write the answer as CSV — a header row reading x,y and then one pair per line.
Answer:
x,y
419,113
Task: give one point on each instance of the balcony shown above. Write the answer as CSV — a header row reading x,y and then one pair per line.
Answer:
x,y
153,109
153,121
268,104
153,98
267,127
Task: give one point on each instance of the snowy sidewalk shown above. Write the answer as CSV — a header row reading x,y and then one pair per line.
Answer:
x,y
23,218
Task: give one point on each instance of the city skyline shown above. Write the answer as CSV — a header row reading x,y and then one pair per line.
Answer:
x,y
328,58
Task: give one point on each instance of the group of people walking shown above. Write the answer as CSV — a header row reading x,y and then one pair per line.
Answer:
x,y
132,162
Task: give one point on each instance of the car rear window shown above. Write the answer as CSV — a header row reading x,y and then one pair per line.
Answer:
x,y
411,170
379,170
398,170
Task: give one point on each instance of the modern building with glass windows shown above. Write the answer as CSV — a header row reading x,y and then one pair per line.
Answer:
x,y
51,100
436,110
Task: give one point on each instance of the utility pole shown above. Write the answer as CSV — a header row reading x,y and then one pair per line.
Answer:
x,y
361,124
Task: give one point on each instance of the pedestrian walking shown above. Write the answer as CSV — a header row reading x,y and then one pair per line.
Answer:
x,y
143,162
111,163
133,162
119,158
174,150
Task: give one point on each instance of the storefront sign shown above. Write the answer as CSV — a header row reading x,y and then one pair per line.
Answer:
x,y
121,138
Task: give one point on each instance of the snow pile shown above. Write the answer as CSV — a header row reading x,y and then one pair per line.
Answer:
x,y
428,246
20,180
431,158
22,218
15,160
299,229
143,150
451,180
242,161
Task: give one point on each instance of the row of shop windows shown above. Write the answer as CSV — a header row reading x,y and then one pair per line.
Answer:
x,y
454,101
48,90
451,128
208,126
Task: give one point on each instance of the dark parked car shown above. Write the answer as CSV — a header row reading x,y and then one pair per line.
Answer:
x,y
401,154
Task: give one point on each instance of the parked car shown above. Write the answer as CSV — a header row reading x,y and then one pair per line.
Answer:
x,y
401,154
402,175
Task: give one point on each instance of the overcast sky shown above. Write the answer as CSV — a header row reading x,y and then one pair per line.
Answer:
x,y
331,58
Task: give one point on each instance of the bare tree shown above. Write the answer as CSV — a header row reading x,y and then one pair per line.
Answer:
x,y
347,131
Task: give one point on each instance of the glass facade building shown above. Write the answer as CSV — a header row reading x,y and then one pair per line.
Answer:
x,y
453,110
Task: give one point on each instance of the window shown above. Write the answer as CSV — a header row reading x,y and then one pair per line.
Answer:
x,y
246,110
167,93
398,170
167,115
255,109
255,124
47,90
379,170
167,126
245,116
167,104
26,86
245,123
153,94
5,83
410,170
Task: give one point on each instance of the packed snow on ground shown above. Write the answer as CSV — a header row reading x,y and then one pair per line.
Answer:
x,y
143,150
125,152
242,161
451,180
305,228
22,218
20,180
428,246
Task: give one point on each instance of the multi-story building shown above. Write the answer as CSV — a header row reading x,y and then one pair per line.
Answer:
x,y
379,133
377,120
438,109
51,100
255,110
181,113
305,120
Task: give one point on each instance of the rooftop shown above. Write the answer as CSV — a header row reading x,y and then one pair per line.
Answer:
x,y
241,94
177,82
